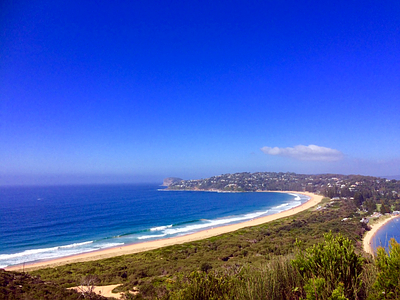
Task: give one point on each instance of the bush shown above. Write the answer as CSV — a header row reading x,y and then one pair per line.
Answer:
x,y
277,279
388,280
332,264
203,286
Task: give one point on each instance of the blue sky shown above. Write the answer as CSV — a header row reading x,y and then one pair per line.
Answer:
x,y
135,91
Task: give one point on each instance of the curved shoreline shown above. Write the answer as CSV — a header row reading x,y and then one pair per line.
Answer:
x,y
367,240
150,245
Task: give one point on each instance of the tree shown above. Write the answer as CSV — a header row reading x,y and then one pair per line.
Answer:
x,y
358,199
385,208
370,205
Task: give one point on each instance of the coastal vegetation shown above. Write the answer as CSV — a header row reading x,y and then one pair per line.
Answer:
x,y
388,279
315,254
20,285
364,190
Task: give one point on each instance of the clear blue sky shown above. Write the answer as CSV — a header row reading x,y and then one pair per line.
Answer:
x,y
133,91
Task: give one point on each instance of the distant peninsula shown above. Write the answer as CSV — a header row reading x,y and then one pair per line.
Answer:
x,y
171,180
330,185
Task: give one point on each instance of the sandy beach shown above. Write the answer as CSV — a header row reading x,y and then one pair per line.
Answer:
x,y
367,241
145,246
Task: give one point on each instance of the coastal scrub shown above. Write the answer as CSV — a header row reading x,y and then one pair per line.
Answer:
x,y
330,267
388,279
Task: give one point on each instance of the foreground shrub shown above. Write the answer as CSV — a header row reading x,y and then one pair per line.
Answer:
x,y
388,280
203,286
277,279
330,266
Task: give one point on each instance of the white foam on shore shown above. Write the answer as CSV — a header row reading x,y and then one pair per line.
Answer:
x,y
280,206
52,253
297,196
170,230
145,237
43,250
74,245
159,228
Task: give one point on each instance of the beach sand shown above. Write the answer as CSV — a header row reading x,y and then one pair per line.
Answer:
x,y
367,241
145,246
105,290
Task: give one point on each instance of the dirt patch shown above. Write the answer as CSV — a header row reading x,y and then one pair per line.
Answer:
x,y
104,290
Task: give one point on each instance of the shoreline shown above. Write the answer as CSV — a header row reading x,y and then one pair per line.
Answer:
x,y
155,244
367,240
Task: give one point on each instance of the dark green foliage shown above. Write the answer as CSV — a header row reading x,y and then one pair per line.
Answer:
x,y
338,293
388,278
327,266
15,285
203,286
385,208
205,267
358,199
315,288
370,205
277,279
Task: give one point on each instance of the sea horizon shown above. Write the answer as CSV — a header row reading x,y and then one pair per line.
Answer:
x,y
47,222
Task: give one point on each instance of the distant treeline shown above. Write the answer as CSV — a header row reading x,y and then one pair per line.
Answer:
x,y
364,190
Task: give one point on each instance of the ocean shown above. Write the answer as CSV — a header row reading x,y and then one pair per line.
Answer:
x,y
385,233
41,223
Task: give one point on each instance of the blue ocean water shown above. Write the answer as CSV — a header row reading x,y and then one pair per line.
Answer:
x,y
386,232
41,223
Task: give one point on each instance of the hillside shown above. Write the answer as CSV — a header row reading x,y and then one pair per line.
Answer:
x,y
330,185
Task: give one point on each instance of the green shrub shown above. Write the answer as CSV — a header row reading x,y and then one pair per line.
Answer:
x,y
333,261
203,286
315,289
338,293
388,280
276,279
